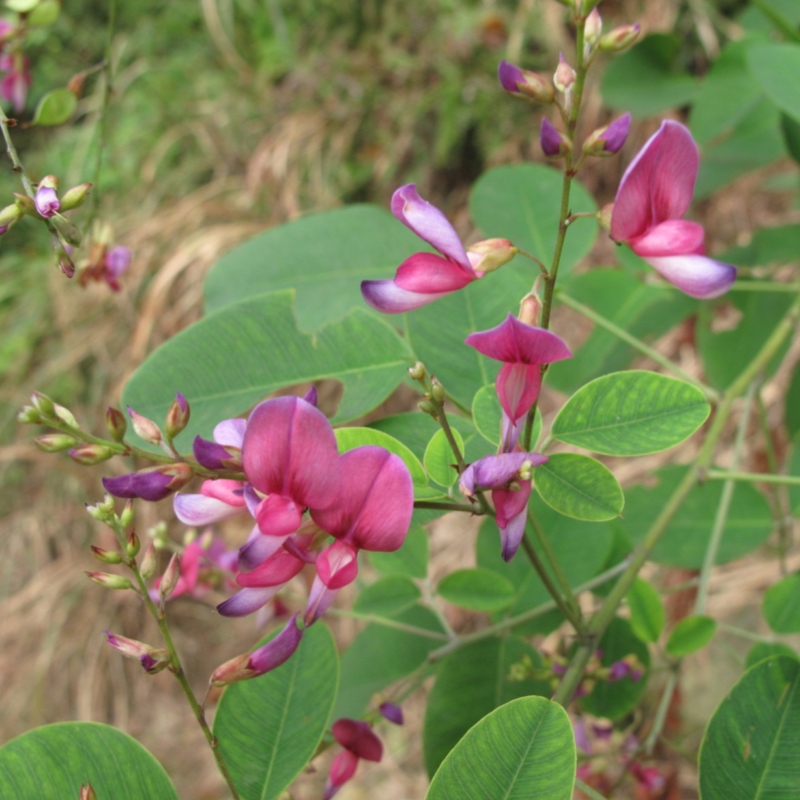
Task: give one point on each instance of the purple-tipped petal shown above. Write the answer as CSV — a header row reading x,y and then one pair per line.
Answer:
x,y
549,138
251,499
278,650
430,224
376,501
427,273
392,712
696,276
514,341
493,471
230,432
258,549
210,454
197,509
230,492
278,569
672,238
617,133
511,516
311,396
247,601
320,599
46,201
152,486
388,298
510,75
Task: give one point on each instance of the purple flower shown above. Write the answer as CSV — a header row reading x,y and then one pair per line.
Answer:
x,y
552,142
654,194
392,712
359,742
526,83
46,201
150,484
117,261
15,84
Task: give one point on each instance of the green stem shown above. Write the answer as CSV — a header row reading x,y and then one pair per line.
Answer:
x,y
744,634
752,477
445,506
591,793
661,712
448,432
712,394
389,623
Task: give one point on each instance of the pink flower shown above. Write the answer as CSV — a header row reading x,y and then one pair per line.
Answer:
x,y
425,277
15,84
359,742
116,262
654,194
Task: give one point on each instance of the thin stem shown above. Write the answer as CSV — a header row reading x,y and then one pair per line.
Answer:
x,y
448,432
591,793
535,260
752,477
445,506
744,634
389,623
429,600
621,333
661,712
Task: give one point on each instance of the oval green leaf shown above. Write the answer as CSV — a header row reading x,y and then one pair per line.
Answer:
x,y
45,14
51,763
523,749
631,414
476,589
387,596
55,108
580,487
440,461
782,605
749,751
691,634
411,559
269,727
762,650
647,611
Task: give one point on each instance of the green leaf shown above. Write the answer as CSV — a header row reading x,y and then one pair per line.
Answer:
x,y
523,749
476,589
522,203
763,650
762,19
782,605
323,256
440,460
21,6
685,540
269,727
349,438
55,108
749,751
631,414
487,414
776,245
647,611
645,80
45,14
387,596
411,559
380,655
51,763
691,634
616,699
226,363
777,68
790,129
471,683
580,487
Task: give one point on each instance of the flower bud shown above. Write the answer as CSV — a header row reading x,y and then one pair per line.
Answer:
x,y
55,442
554,144
66,416
604,216
126,517
171,575
177,416
109,581
426,407
152,659
75,196
116,424
526,83
104,510
145,428
25,204
64,262
437,391
70,232
87,792
593,28
530,309
620,38
609,139
490,254
133,546
46,197
148,567
417,372
392,712
90,454
106,556
28,415
564,76
10,215
44,405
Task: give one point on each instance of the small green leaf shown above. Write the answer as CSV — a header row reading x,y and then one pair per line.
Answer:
x,y
524,749
45,14
55,108
411,559
51,763
476,589
647,611
580,487
631,414
762,650
691,634
750,746
782,605
21,6
440,460
487,414
387,596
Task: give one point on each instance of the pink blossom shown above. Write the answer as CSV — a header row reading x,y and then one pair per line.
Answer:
x,y
358,741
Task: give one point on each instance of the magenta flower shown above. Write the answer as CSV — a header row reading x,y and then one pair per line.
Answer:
x,y
425,277
14,86
499,473
358,741
654,194
522,349
116,263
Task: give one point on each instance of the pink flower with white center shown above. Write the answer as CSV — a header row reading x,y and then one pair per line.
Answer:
x,y
425,277
522,349
654,194
359,742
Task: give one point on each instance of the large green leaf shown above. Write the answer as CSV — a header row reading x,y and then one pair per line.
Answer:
x,y
749,751
476,589
761,650
472,682
782,605
777,68
269,727
685,540
524,749
323,256
580,487
51,763
631,413
228,361
390,595
522,203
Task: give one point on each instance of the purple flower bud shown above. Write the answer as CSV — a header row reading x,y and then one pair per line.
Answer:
x,y
392,712
214,456
145,428
552,142
608,139
46,201
177,416
152,484
618,670
152,660
109,581
357,737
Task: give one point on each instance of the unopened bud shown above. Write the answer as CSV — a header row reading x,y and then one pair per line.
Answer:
x,y
609,139
145,428
490,254
148,566
554,144
66,416
152,659
171,575
28,415
25,204
564,76
526,471
90,454
109,581
55,442
417,372
116,424
526,83
426,407
619,39
10,215
46,198
44,405
530,309
126,517
87,792
604,216
177,416
104,510
106,556
437,391
68,230
593,28
75,196
133,546
392,712
64,262
180,473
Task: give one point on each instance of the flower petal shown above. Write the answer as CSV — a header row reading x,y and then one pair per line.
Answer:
x,y
230,492
694,275
278,516
197,509
514,341
357,737
230,432
491,471
247,601
258,549
672,238
427,273
278,650
337,565
278,569
518,388
152,486
388,298
319,601
511,516
210,454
